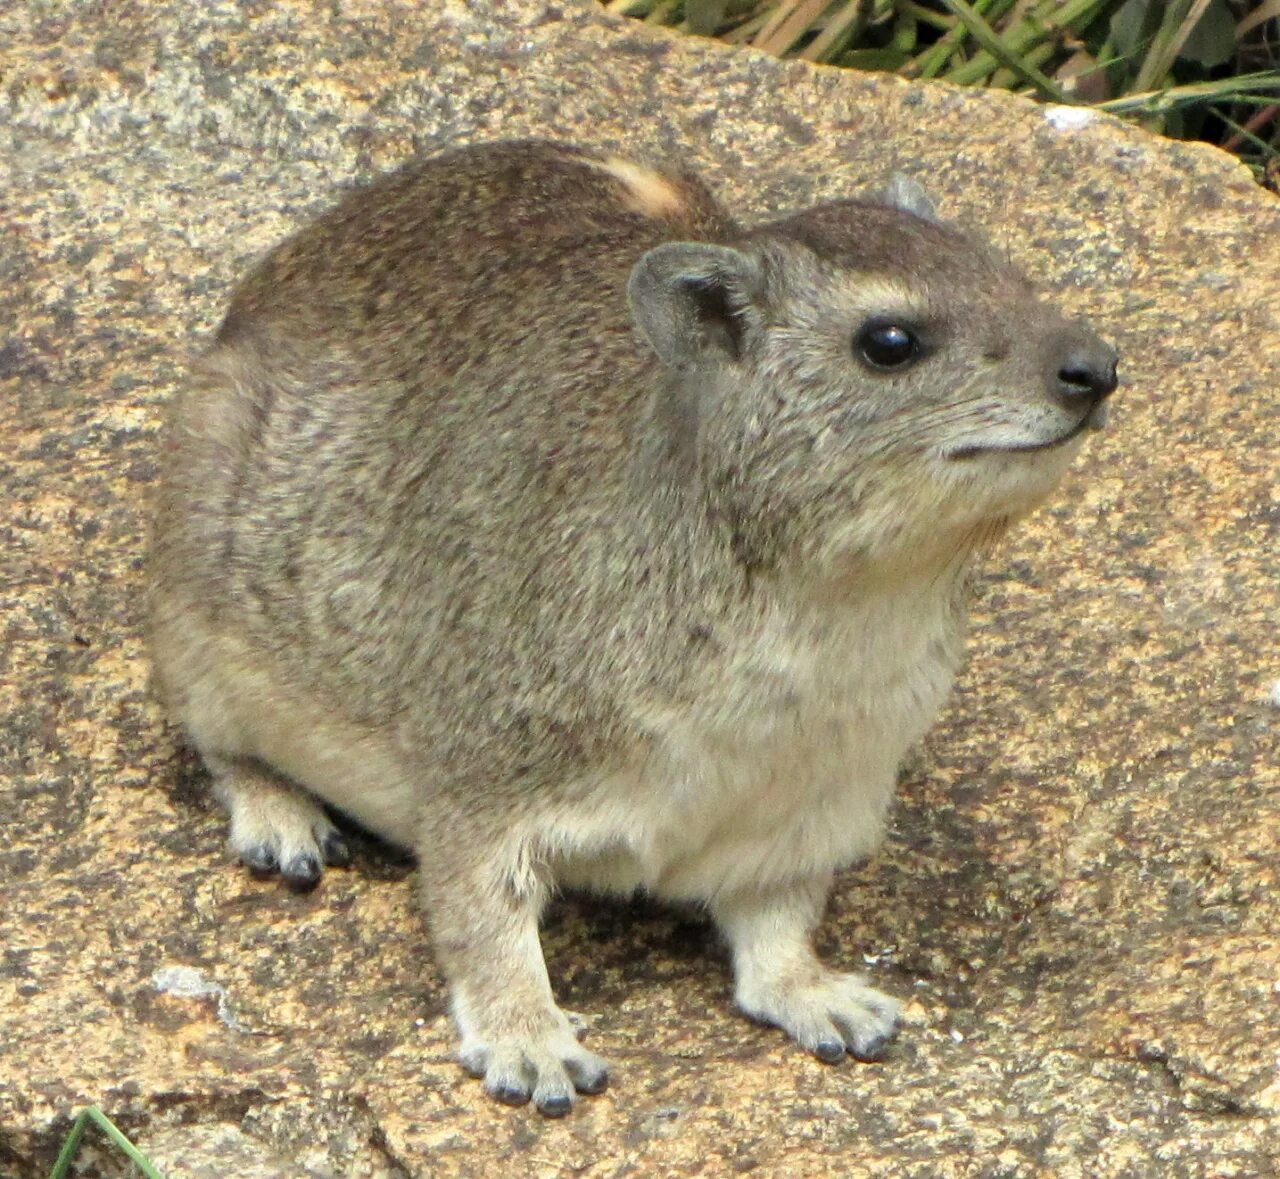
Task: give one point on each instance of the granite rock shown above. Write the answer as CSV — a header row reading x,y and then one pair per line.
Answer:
x,y
1080,897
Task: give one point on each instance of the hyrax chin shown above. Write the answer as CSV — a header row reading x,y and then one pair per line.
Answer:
x,y
534,513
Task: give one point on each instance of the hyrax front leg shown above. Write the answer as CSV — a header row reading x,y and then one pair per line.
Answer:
x,y
483,901
275,825
780,980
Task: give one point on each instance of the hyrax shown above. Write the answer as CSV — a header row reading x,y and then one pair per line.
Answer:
x,y
539,516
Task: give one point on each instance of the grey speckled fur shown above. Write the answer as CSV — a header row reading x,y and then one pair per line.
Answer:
x,y
536,514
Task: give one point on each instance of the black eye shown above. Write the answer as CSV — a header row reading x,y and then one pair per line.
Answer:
x,y
887,345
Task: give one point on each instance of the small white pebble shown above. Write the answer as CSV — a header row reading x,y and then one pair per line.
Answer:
x,y
956,1036
1274,694
1069,118
419,1023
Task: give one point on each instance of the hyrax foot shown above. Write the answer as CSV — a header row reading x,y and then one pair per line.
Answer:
x,y
276,826
546,1064
828,1014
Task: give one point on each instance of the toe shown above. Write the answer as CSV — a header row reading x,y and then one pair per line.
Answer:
x,y
508,1092
336,851
302,871
553,1094
589,1076
475,1059
868,1028
553,1090
870,1048
829,1051
507,1077
260,859
555,1105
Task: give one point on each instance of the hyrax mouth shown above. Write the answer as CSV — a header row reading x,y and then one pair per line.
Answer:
x,y
1095,419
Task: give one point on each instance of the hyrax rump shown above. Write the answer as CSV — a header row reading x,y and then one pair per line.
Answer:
x,y
549,523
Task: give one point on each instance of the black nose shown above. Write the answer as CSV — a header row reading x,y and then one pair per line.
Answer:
x,y
1087,372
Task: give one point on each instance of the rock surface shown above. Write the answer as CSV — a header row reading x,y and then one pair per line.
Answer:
x,y
1080,899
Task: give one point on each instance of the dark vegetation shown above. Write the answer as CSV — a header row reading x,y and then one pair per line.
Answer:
x,y
1192,69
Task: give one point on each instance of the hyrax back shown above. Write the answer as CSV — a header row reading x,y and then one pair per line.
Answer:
x,y
540,517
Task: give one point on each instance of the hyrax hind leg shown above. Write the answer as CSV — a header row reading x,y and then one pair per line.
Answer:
x,y
275,825
212,688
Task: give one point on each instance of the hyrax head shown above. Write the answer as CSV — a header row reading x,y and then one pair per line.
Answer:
x,y
860,382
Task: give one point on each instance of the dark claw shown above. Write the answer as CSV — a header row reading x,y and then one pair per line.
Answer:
x,y
556,1106
336,852
829,1051
302,872
261,861
509,1094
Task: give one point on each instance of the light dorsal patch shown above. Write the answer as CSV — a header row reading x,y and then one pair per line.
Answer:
x,y
648,192
907,194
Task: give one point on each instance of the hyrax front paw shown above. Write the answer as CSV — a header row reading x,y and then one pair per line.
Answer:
x,y
828,1014
539,1059
277,827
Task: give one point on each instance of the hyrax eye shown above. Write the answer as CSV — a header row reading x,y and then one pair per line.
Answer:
x,y
885,345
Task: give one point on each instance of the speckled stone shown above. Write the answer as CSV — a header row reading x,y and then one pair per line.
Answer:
x,y
1080,898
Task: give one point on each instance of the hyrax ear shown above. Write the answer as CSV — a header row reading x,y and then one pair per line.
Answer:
x,y
691,300
903,192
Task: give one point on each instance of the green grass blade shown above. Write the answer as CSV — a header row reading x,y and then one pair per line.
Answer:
x,y
938,56
994,44
1268,150
1032,29
929,16
1251,88
1180,16
70,1146
92,1113
844,27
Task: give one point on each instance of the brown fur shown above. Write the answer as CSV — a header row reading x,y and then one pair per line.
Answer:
x,y
555,589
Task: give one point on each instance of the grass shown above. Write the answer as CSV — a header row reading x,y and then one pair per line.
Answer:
x,y
92,1115
1194,69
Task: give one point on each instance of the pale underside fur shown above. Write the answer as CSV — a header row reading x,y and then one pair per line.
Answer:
x,y
784,772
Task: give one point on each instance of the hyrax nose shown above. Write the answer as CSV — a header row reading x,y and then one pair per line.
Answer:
x,y
1086,370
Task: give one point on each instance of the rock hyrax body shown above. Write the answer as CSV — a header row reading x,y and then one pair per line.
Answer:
x,y
537,515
